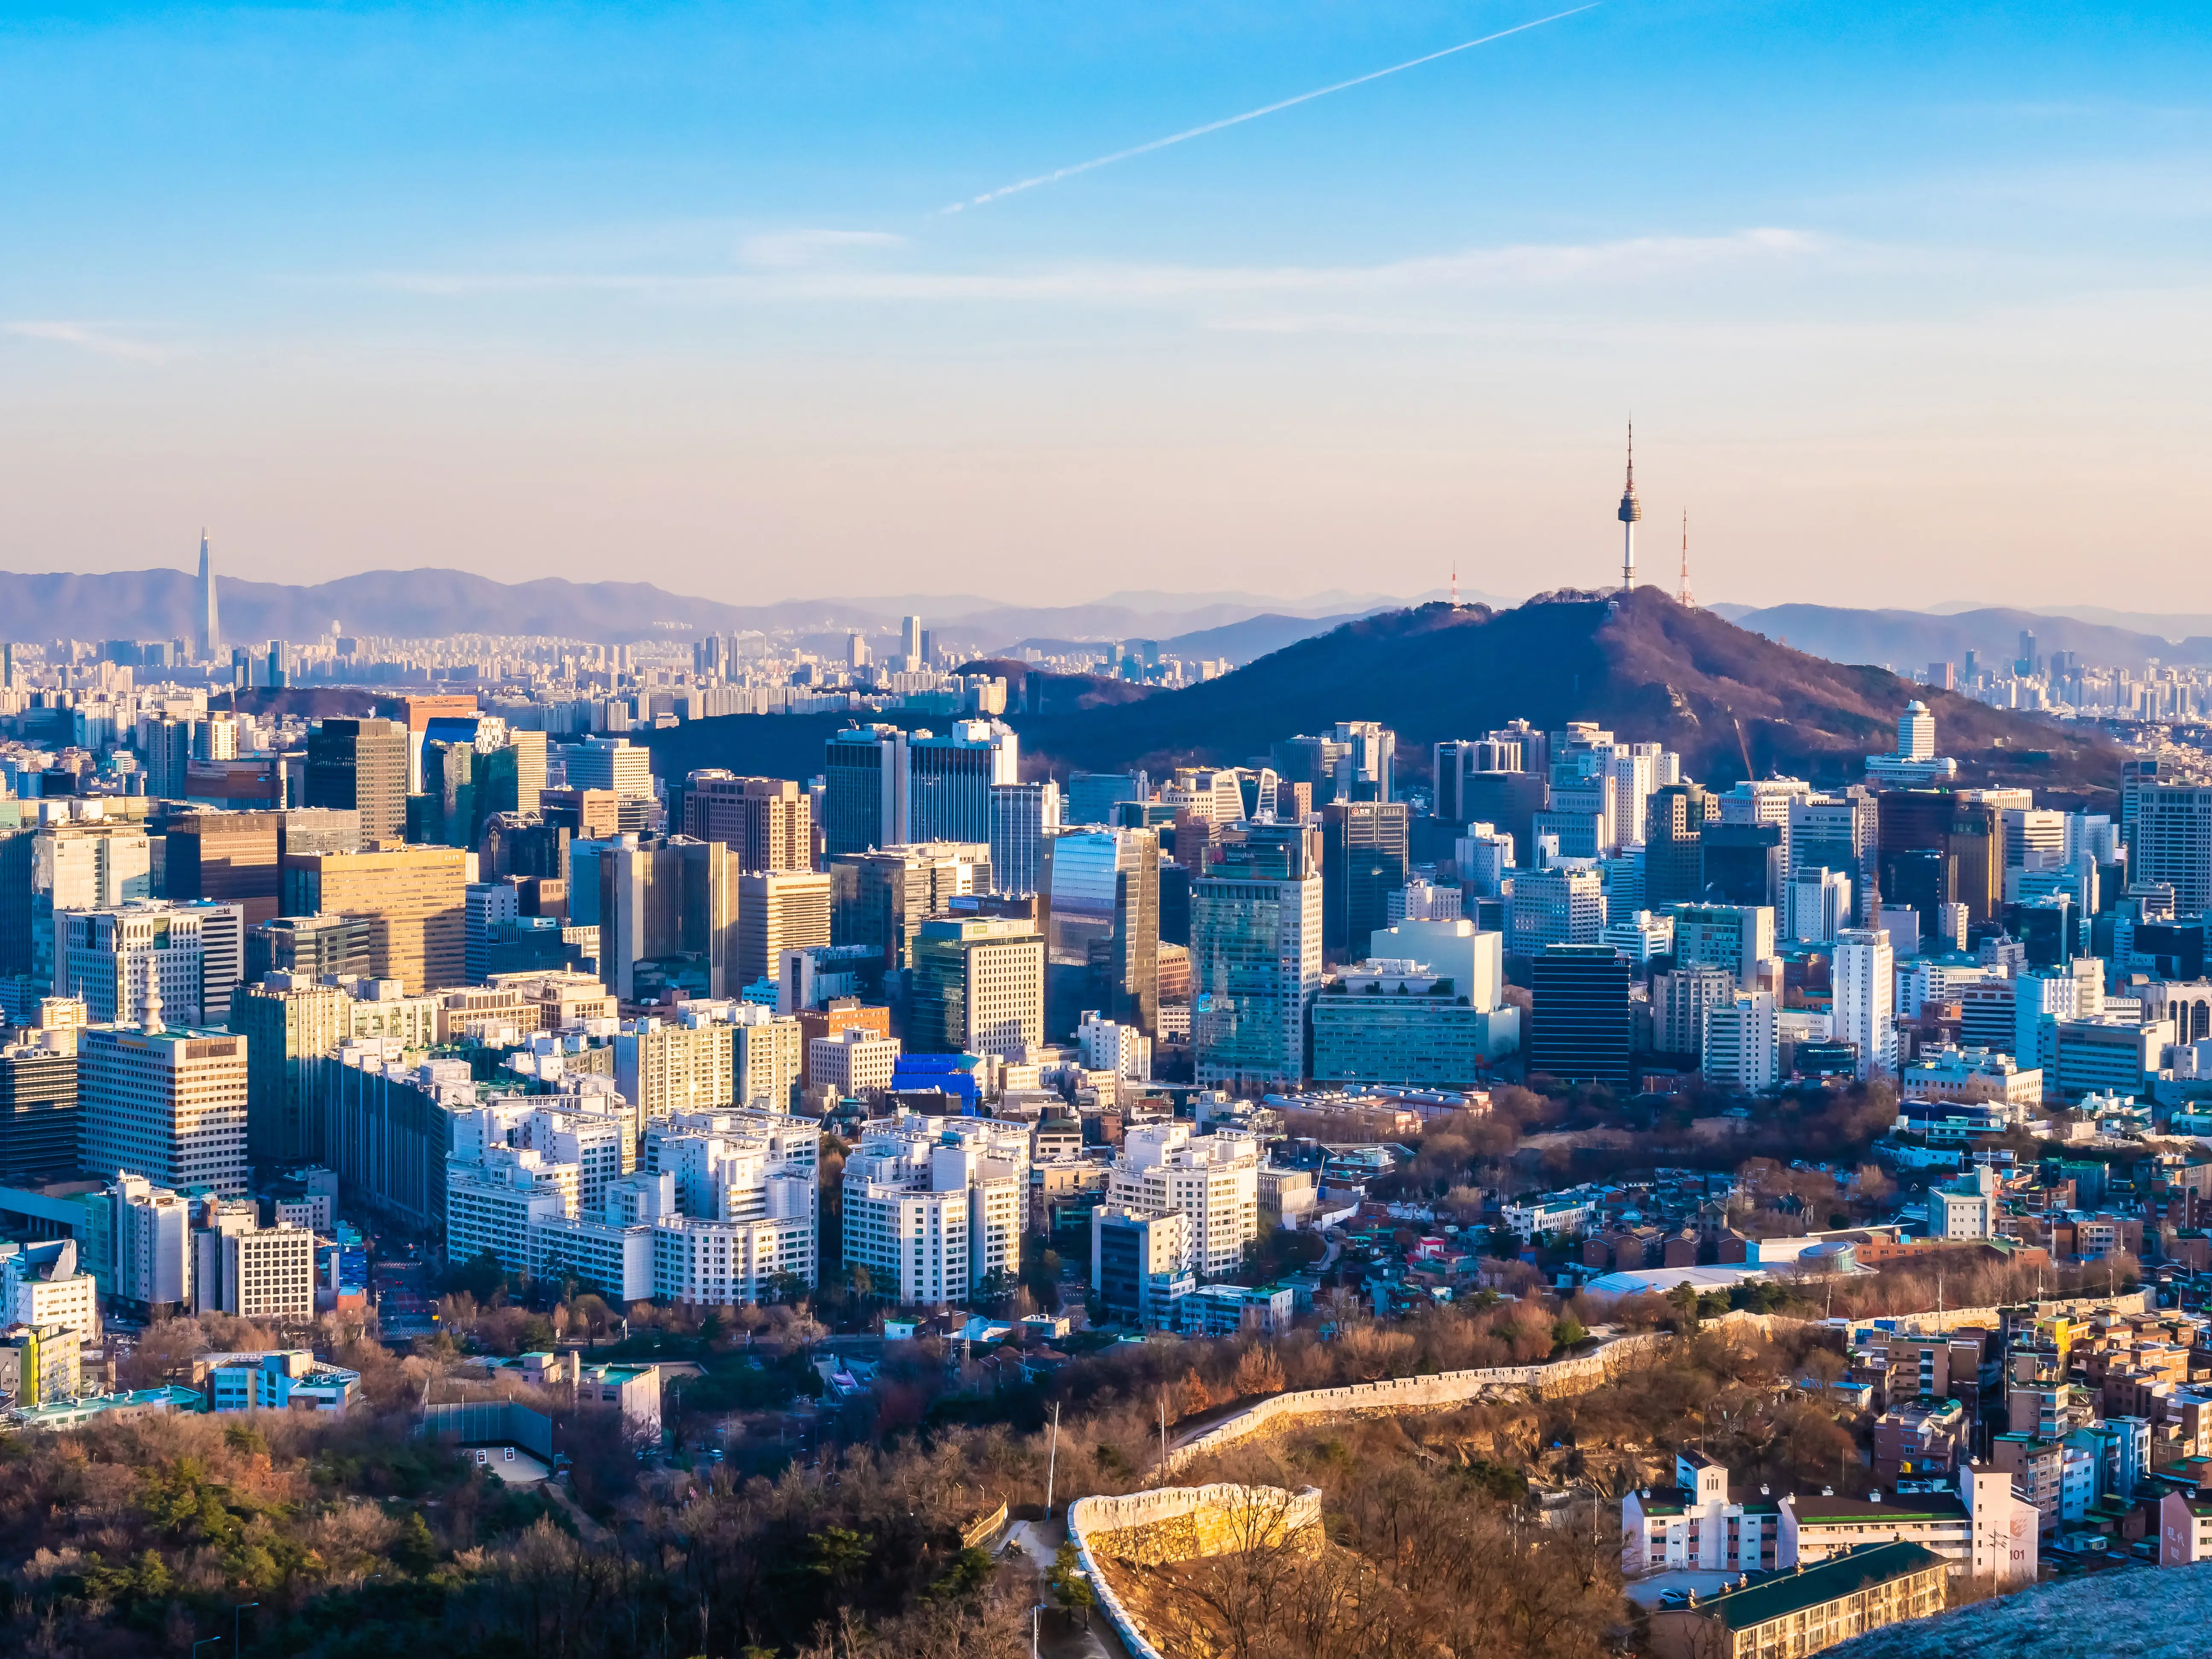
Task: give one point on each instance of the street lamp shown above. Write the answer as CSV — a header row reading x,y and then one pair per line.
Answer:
x,y
1036,1613
234,1613
202,1643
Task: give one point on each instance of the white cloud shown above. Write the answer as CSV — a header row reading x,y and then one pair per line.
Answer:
x,y
1525,265
87,339
783,249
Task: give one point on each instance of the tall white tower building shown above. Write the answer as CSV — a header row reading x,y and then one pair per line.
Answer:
x,y
1632,510
1865,979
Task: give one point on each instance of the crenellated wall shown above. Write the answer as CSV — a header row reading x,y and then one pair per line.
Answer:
x,y
1181,1523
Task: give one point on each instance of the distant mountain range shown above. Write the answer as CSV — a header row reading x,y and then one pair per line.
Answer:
x,y
1733,703
1907,640
429,604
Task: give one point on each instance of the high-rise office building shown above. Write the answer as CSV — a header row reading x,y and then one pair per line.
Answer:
x,y
166,1104
766,822
486,905
1834,832
1256,959
209,626
1742,863
1737,937
978,987
119,961
1561,905
1092,796
949,779
169,744
1023,818
778,911
287,1022
1101,920
1673,844
1578,1020
2167,821
83,865
361,766
611,763
39,1117
414,898
1864,975
1364,861
1455,762
864,803
1508,800
228,856
667,912
881,899
1742,1051
314,947
241,1267
445,813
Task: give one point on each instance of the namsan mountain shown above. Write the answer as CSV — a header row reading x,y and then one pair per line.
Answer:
x,y
1733,704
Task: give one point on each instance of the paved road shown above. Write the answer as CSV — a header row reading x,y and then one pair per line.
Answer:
x,y
1059,1637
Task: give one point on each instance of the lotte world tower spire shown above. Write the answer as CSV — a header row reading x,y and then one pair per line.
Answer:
x,y
211,631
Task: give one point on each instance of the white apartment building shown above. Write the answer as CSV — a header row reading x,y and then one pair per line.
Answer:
x,y
1865,980
1212,1180
1819,903
596,1145
168,1105
853,1062
679,1065
1737,937
767,1054
1108,1046
610,763
747,1204
241,1267
1741,1052
613,1249
726,1263
111,957
41,1285
145,1246
933,1206
1973,1075
495,1205
1560,905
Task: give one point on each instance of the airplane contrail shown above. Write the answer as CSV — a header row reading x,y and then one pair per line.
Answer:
x,y
1055,176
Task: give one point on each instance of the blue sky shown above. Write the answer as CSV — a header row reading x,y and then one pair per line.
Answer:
x,y
1910,303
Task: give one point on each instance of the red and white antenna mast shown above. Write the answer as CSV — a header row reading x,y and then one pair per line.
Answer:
x,y
1683,598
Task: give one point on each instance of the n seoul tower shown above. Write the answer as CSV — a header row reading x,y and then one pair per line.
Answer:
x,y
1630,510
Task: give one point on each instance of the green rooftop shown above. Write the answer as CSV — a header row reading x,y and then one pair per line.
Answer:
x,y
1781,1593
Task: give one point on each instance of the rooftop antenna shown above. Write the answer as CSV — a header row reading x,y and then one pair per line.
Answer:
x,y
1683,598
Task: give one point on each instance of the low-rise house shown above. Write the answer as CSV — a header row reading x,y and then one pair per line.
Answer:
x,y
283,1379
634,1390
1918,1438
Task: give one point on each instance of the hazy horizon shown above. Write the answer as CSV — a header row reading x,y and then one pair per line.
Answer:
x,y
1904,303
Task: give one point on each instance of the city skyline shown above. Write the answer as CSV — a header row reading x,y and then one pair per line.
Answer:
x,y
397,289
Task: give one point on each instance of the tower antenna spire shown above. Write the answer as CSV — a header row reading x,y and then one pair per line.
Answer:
x,y
1630,510
1683,598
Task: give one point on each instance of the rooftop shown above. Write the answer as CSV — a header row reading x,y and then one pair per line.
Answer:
x,y
1778,1595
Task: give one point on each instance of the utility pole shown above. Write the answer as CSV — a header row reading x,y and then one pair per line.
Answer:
x,y
1052,1460
1164,1432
